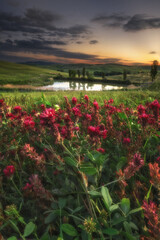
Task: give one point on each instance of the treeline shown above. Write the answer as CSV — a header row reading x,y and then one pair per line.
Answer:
x,y
80,74
86,74
112,73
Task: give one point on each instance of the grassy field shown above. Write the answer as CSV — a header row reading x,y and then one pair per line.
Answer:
x,y
29,99
13,73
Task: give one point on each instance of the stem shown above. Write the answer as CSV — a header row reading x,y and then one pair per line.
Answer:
x,y
107,184
68,151
86,192
16,187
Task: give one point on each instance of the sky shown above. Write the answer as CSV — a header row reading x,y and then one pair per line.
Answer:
x,y
80,31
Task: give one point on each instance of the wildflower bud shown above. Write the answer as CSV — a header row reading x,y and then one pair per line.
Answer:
x,y
126,140
74,100
9,171
101,150
86,98
158,159
110,101
28,186
17,109
1,102
90,225
96,106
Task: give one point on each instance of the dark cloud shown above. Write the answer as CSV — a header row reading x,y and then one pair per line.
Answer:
x,y
9,22
114,20
134,23
13,3
93,42
74,30
41,47
152,52
111,60
140,22
37,21
39,16
79,42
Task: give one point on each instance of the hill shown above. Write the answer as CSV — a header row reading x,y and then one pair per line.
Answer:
x,y
107,68
13,73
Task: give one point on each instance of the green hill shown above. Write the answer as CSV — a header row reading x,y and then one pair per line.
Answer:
x,y
107,68
13,73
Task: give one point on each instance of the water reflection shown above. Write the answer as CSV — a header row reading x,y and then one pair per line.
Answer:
x,y
60,85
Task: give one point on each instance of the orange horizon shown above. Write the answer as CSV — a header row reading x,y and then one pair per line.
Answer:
x,y
49,58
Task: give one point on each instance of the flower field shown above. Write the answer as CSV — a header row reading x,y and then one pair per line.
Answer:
x,y
80,170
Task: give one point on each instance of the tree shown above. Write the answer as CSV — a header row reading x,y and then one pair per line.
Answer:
x,y
154,70
124,75
87,74
103,75
70,73
83,72
79,73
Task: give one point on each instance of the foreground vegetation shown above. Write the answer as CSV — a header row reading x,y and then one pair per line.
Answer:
x,y
86,167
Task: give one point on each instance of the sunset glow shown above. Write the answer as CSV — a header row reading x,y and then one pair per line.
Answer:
x,y
105,31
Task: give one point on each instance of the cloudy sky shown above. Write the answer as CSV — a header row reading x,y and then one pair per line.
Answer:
x,y
80,31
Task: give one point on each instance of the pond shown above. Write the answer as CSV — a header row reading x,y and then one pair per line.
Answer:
x,y
82,86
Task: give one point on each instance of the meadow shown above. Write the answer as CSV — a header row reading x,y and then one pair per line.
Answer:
x,y
80,165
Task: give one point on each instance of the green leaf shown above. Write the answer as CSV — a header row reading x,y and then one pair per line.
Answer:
x,y
132,225
121,163
77,209
29,228
50,218
14,226
127,227
70,161
62,202
148,193
135,210
45,236
113,207
94,193
125,205
129,236
12,238
111,231
106,196
69,230
122,116
88,168
90,156
119,220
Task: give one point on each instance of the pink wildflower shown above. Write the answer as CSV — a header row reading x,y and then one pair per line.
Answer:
x,y
126,141
9,171
17,109
74,100
134,165
101,150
